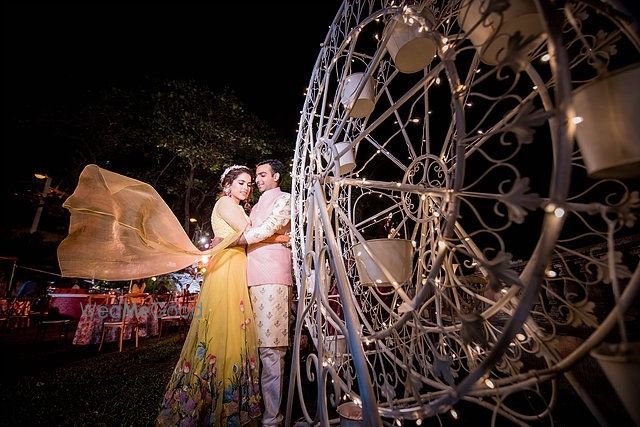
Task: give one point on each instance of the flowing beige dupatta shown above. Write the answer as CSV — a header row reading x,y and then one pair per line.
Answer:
x,y
121,229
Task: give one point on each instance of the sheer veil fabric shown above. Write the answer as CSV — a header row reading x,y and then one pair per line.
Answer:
x,y
121,229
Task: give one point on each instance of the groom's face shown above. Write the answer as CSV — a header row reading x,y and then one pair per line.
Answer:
x,y
265,178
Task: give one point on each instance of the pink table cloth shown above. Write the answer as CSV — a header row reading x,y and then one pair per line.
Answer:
x,y
68,305
89,330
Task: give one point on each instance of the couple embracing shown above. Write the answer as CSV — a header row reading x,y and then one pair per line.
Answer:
x,y
245,301
232,363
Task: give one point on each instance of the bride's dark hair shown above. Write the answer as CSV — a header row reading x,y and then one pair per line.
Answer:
x,y
227,177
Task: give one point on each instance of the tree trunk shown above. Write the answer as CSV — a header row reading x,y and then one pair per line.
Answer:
x,y
187,198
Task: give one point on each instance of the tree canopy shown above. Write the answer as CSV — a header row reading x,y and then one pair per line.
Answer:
x,y
177,135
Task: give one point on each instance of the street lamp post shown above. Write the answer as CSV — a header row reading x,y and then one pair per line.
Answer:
x,y
45,190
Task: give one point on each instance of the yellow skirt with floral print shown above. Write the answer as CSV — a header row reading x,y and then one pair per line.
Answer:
x,y
216,380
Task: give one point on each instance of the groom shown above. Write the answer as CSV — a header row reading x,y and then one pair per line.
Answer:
x,y
269,279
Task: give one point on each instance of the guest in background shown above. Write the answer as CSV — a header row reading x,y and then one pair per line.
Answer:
x,y
138,287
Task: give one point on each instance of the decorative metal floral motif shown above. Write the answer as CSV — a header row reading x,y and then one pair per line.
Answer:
x,y
449,159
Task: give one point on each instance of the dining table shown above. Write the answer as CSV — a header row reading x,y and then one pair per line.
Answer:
x,y
67,304
90,325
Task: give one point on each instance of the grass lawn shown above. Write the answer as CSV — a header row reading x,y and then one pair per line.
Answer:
x,y
51,383
56,383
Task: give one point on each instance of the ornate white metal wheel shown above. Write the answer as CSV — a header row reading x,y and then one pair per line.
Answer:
x,y
440,204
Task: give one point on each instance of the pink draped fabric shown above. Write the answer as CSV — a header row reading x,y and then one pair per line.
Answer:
x,y
121,229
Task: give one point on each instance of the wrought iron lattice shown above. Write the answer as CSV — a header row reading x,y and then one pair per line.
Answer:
x,y
446,230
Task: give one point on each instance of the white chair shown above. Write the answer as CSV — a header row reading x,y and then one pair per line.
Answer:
x,y
126,307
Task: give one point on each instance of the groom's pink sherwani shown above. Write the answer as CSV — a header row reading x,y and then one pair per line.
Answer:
x,y
269,263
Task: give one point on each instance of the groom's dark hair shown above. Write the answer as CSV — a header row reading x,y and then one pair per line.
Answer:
x,y
276,167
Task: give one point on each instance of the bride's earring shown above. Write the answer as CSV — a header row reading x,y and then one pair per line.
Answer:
x,y
227,191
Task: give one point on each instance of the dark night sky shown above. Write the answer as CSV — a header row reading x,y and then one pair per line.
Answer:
x,y
54,52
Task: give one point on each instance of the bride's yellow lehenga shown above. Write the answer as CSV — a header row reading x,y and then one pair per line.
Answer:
x,y
216,379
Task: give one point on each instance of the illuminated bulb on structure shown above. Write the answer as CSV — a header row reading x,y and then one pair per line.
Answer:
x,y
559,212
454,414
577,120
521,337
545,58
489,383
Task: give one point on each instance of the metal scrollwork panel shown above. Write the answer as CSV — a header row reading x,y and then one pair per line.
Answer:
x,y
448,233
